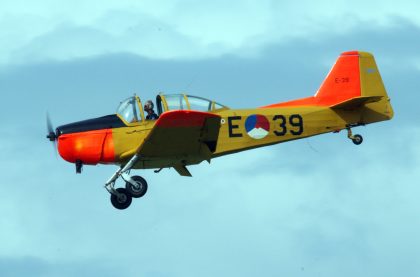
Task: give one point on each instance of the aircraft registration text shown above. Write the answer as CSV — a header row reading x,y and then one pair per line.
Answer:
x,y
283,125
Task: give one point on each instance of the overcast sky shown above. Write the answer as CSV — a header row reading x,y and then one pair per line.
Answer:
x,y
315,207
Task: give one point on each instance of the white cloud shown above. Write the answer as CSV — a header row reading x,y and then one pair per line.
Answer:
x,y
177,29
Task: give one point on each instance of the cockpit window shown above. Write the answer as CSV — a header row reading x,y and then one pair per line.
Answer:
x,y
176,102
218,106
199,104
171,102
129,110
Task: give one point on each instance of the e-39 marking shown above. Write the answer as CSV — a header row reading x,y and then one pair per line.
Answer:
x,y
292,124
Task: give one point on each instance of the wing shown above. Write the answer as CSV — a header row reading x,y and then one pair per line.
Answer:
x,y
181,135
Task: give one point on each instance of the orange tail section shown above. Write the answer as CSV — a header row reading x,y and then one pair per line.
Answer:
x,y
343,81
351,78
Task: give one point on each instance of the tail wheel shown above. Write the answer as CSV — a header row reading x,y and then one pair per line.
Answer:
x,y
122,200
357,139
139,191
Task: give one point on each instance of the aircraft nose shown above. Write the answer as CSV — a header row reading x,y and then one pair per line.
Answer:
x,y
89,141
90,147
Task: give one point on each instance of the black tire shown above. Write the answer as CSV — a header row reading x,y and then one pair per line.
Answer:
x,y
121,201
137,192
357,139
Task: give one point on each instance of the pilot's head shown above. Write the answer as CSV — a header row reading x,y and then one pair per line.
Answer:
x,y
148,106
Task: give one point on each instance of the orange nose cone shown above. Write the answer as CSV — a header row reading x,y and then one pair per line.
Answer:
x,y
91,147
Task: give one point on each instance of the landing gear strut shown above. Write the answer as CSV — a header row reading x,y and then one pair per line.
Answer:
x,y
357,139
135,186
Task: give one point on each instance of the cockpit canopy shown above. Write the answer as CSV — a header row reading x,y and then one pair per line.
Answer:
x,y
131,109
171,102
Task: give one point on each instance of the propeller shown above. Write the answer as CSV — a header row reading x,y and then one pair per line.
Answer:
x,y
52,135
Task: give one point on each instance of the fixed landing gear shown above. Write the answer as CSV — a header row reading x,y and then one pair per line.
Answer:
x,y
139,190
122,200
356,139
135,186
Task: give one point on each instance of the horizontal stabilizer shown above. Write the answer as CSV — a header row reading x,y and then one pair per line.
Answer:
x,y
356,102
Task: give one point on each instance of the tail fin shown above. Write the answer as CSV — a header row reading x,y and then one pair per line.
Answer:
x,y
342,82
353,81
368,94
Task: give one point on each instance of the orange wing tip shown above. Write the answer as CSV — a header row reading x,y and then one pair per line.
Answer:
x,y
184,119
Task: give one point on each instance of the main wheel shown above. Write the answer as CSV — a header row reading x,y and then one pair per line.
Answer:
x,y
140,190
122,200
357,139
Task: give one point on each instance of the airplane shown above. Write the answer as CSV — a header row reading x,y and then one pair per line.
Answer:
x,y
192,129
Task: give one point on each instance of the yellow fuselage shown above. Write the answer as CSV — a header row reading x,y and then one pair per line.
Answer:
x,y
284,124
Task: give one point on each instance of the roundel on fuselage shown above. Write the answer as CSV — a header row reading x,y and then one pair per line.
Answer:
x,y
257,126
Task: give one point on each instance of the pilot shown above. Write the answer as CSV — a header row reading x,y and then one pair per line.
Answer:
x,y
148,108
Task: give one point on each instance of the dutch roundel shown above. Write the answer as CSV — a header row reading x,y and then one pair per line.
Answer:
x,y
257,126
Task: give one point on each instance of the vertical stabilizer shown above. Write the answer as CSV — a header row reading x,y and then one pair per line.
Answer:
x,y
342,82
353,83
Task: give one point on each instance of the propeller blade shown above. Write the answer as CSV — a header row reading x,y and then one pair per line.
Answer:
x,y
50,127
55,149
52,136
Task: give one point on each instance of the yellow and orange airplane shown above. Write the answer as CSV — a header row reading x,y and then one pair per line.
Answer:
x,y
192,129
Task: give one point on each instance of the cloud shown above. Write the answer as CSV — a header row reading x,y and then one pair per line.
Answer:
x,y
281,72
145,37
179,29
32,266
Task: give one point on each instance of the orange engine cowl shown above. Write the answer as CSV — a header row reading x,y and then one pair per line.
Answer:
x,y
89,147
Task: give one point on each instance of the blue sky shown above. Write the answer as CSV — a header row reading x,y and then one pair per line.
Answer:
x,y
318,207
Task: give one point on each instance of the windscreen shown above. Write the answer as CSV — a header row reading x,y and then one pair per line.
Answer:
x,y
129,111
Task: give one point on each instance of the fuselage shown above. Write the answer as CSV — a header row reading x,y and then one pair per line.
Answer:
x,y
352,94
108,140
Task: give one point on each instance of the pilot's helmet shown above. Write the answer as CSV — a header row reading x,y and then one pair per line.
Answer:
x,y
148,105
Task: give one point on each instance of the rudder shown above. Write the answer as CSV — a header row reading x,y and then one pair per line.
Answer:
x,y
373,86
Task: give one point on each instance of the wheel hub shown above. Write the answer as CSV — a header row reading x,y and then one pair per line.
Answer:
x,y
138,188
122,198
